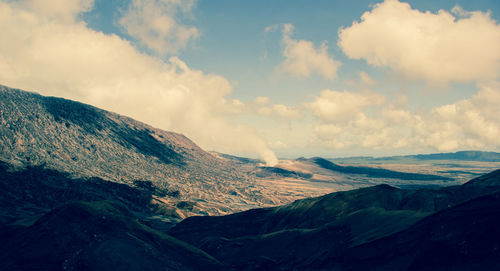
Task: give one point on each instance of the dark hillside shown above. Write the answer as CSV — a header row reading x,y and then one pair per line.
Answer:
x,y
96,236
319,232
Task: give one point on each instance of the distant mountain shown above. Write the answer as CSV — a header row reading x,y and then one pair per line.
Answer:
x,y
265,172
325,233
374,172
87,142
461,155
479,156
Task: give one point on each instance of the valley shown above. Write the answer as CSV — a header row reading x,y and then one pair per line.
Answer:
x,y
86,189
196,135
310,177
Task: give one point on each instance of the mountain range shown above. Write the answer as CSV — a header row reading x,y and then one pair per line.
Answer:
x,y
86,189
483,156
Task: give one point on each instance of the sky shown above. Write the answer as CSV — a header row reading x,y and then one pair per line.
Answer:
x,y
275,78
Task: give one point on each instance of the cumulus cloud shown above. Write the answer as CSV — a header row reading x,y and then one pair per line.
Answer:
x,y
70,60
302,58
280,111
365,81
342,106
263,106
381,123
436,47
154,24
469,123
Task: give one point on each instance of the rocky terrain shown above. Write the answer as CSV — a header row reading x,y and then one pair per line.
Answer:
x,y
87,142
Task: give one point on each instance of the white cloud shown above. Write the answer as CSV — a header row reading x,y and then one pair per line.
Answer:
x,y
396,115
262,106
70,60
279,110
342,106
353,120
365,81
154,24
302,59
331,135
470,122
436,47
233,106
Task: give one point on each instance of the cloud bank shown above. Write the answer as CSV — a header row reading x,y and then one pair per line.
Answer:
x,y
369,120
54,53
438,47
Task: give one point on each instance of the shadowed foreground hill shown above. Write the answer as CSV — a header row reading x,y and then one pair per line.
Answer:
x,y
329,231
34,191
49,221
96,236
464,237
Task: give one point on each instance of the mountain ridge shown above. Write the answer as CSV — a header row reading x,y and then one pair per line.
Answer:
x,y
471,155
86,141
374,172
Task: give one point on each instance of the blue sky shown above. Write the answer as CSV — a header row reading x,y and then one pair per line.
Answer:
x,y
272,78
233,42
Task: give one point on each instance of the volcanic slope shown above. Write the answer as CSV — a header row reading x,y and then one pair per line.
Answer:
x,y
85,141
